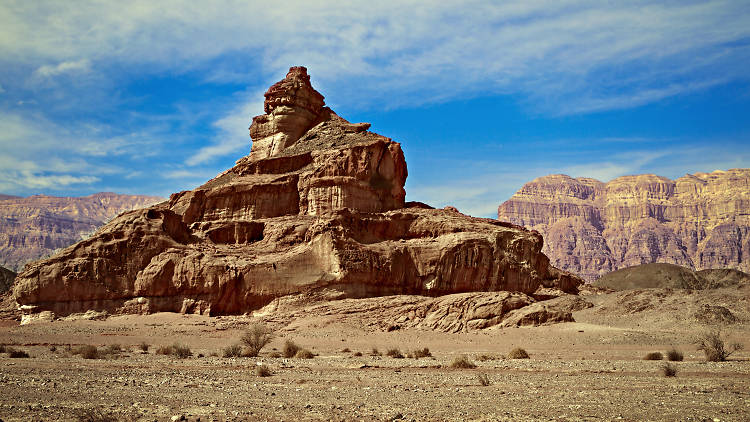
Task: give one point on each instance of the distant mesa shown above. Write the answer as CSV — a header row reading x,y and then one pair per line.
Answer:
x,y
317,205
699,221
37,226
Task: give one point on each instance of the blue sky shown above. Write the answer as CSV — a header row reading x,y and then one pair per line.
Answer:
x,y
156,97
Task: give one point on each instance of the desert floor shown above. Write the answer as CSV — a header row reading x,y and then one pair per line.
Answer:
x,y
584,370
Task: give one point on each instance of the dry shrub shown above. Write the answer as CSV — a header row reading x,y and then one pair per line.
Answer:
x,y
144,346
462,362
181,351
669,370
304,354
675,355
518,353
485,357
95,415
375,352
2,348
713,346
263,371
164,350
345,350
357,353
13,353
290,349
87,351
233,351
395,353
653,356
275,355
53,348
483,379
420,353
256,338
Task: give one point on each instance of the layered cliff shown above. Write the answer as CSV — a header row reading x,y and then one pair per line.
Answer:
x,y
699,221
6,279
318,204
34,227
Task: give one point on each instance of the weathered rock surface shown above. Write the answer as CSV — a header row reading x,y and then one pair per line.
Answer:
x,y
699,221
318,204
34,227
6,279
657,276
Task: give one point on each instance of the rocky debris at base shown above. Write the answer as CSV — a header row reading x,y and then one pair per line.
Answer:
x,y
318,204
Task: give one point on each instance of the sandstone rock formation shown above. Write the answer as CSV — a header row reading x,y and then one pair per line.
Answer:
x,y
318,204
34,227
590,228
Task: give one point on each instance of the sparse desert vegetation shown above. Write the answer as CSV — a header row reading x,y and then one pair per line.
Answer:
x,y
256,338
263,370
394,353
518,353
713,346
420,353
462,362
669,369
484,379
653,356
177,350
674,355
233,351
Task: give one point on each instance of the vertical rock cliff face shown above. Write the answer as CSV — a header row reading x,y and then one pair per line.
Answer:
x,y
34,227
699,221
318,204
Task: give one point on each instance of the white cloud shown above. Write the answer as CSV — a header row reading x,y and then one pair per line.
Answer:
x,y
48,71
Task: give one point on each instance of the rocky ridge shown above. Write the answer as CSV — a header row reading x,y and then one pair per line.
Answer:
x,y
699,221
36,226
6,279
318,204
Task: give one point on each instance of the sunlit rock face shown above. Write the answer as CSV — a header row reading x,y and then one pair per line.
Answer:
x,y
318,204
590,228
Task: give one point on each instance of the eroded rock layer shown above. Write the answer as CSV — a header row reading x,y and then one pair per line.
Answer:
x,y
318,204
698,221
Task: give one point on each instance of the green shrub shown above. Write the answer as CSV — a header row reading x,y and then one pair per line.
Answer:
x,y
394,353
290,349
462,362
233,351
518,353
675,355
255,338
653,356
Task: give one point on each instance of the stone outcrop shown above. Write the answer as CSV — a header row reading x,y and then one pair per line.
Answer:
x,y
699,221
36,226
671,276
318,204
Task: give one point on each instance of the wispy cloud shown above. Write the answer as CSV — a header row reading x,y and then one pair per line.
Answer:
x,y
48,71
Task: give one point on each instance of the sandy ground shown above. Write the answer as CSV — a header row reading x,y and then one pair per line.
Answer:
x,y
584,370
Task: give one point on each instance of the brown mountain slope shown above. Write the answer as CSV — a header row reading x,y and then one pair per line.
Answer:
x,y
34,227
651,276
318,204
699,221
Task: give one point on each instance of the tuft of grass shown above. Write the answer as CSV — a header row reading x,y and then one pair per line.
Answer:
x,y
485,357
263,371
304,354
164,350
13,353
395,353
420,353
290,349
375,352
256,338
2,348
518,353
669,370
462,362
53,348
233,351
181,351
144,346
95,415
357,353
713,346
653,356
346,350
675,355
483,379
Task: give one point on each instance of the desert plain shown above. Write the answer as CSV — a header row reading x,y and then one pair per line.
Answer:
x,y
590,369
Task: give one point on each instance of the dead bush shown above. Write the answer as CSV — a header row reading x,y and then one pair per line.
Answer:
x,y
357,353
144,346
86,351
304,354
13,353
275,355
164,350
181,351
346,350
395,353
290,349
518,353
263,371
653,356
233,351
462,362
669,370
675,355
375,352
485,357
2,348
95,415
713,346
420,353
483,379
256,338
